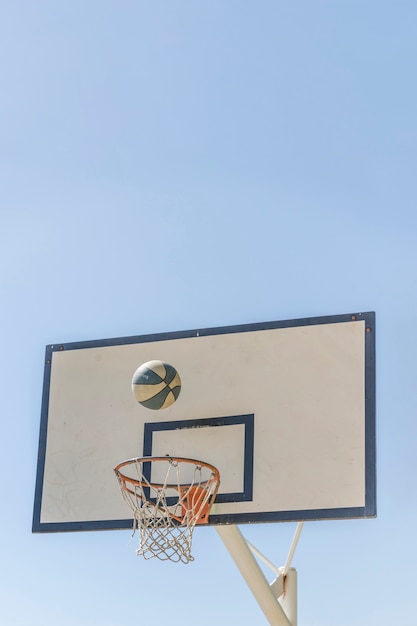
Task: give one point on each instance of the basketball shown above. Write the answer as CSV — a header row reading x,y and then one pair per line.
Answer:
x,y
156,385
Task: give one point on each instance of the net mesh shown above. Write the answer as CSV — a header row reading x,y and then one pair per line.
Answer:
x,y
168,497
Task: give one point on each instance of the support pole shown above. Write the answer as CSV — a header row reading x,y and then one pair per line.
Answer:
x,y
293,547
288,600
253,575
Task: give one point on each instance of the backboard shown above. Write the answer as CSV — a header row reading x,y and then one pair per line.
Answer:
x,y
285,410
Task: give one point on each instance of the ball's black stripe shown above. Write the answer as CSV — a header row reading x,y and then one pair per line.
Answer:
x,y
147,377
157,400
171,372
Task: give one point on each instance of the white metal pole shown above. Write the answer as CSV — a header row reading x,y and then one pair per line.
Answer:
x,y
288,600
253,575
293,547
262,557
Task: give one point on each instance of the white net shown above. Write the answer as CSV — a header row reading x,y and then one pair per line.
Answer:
x,y
168,497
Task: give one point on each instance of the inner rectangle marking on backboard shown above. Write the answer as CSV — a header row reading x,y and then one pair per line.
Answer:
x,y
225,442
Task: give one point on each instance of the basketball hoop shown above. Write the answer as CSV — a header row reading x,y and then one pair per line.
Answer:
x,y
168,497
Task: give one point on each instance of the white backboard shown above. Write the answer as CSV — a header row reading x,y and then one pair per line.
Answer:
x,y
285,411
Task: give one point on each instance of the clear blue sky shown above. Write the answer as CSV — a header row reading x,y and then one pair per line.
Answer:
x,y
179,164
